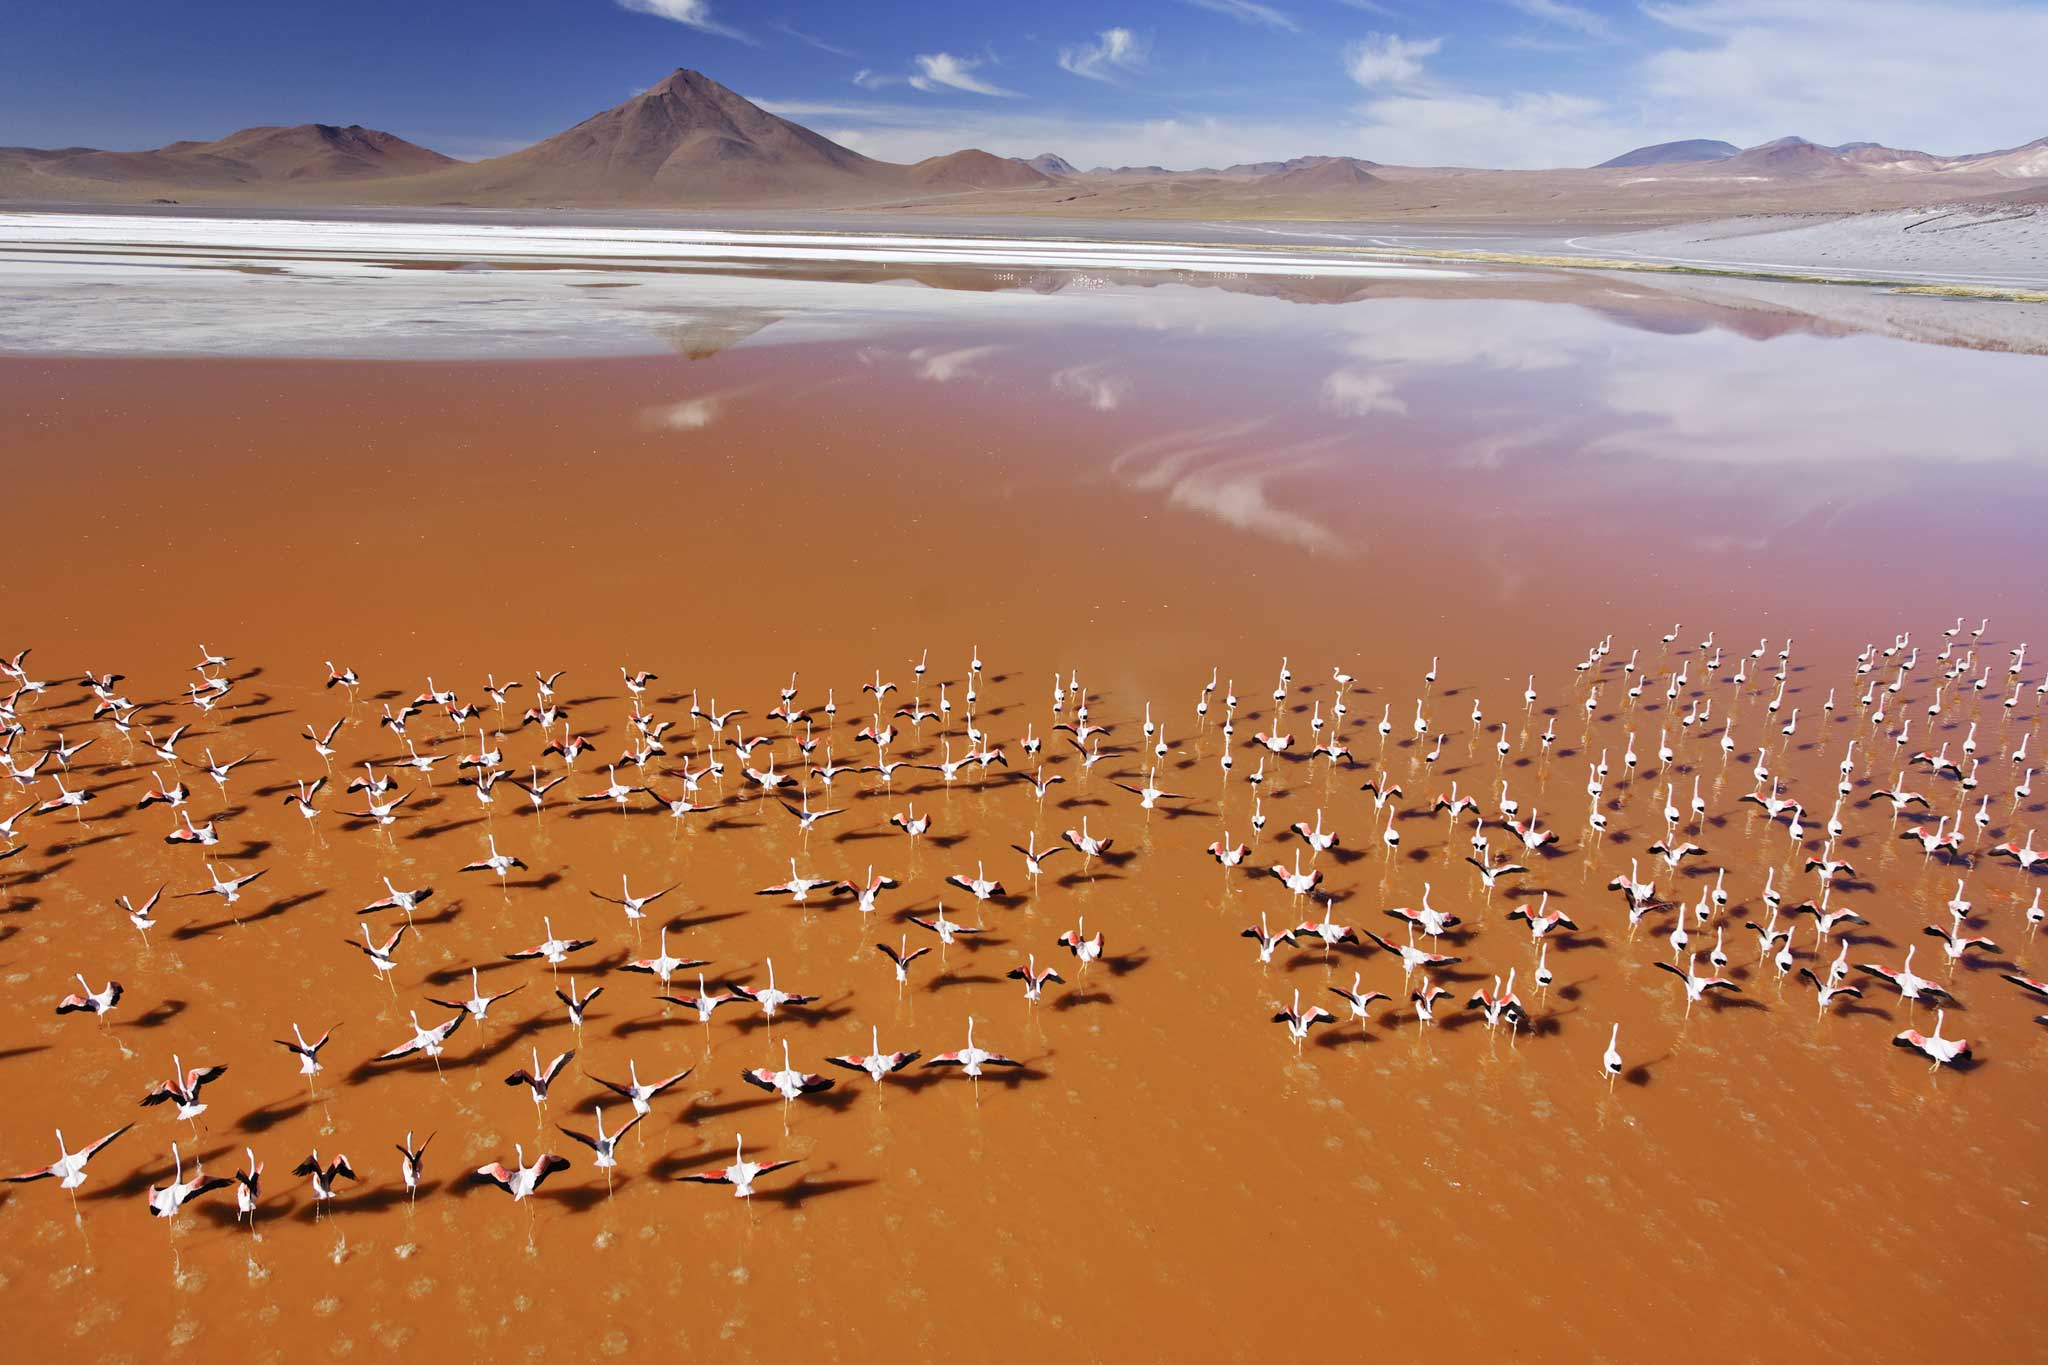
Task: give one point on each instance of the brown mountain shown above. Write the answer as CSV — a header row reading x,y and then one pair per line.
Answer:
x,y
689,141
1321,176
1787,156
308,153
684,140
1689,151
316,151
975,169
2023,163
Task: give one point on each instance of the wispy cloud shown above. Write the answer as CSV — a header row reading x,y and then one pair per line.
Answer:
x,y
1250,12
1832,72
818,43
478,148
874,80
692,13
802,109
943,367
942,70
1388,59
692,414
1745,70
1360,393
1542,128
1118,49
1211,472
1575,17
1730,410
1093,385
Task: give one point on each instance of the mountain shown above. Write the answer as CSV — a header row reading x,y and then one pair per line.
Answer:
x,y
306,152
1787,156
1671,153
1321,175
313,151
1253,170
690,142
1128,172
2021,163
684,140
1878,157
975,169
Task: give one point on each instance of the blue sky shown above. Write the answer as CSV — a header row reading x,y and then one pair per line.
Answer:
x,y
1175,82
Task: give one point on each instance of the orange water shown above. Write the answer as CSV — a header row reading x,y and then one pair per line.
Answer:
x,y
1166,1175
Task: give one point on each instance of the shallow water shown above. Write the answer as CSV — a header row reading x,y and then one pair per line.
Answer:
x,y
1137,483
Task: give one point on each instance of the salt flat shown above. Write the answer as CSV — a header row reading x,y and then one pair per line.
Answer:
x,y
129,283
60,236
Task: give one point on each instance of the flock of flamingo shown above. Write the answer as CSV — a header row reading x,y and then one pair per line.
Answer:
x,y
1932,743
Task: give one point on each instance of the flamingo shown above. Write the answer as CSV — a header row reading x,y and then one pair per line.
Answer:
x,y
876,1063
166,1200
603,1145
642,1096
1938,1050
789,1083
971,1059
521,1180
741,1174
1299,1021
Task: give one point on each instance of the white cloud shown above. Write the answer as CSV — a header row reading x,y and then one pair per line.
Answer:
x,y
803,109
1117,49
873,80
1745,70
692,414
1250,12
1360,393
1566,16
1224,472
693,13
1749,71
810,40
1388,59
943,367
1941,75
1434,334
1093,385
1398,340
1730,408
1414,128
942,70
1519,131
478,148
911,132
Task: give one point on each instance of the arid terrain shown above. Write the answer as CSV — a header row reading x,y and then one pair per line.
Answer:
x,y
691,143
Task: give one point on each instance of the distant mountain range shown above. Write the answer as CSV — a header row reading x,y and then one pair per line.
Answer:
x,y
691,142
1795,156
1672,154
309,153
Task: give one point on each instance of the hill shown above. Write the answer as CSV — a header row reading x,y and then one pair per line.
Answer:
x,y
306,153
976,169
1320,176
684,140
689,142
1671,154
